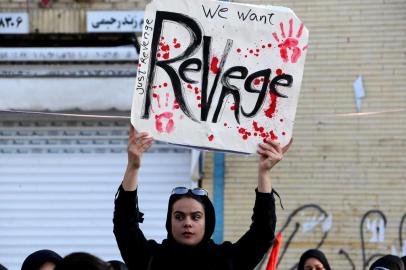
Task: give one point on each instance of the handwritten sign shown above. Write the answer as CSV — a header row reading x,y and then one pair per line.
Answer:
x,y
219,75
14,23
115,21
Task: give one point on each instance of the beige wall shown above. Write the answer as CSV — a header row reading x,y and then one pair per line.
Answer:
x,y
345,166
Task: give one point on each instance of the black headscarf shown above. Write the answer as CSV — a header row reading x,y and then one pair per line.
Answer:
x,y
390,262
210,217
118,265
35,260
82,261
313,253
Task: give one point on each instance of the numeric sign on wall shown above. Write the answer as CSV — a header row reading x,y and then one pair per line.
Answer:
x,y
14,23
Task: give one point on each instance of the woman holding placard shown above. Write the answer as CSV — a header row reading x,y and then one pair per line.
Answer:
x,y
191,220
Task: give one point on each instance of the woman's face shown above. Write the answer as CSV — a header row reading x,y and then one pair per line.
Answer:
x,y
313,264
47,266
188,221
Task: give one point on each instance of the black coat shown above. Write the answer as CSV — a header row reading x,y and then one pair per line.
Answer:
x,y
142,254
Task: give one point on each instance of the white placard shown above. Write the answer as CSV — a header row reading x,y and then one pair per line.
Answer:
x,y
115,21
14,23
219,75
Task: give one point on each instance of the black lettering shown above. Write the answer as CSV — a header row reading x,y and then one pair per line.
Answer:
x,y
184,67
253,17
229,89
206,102
222,10
265,74
242,15
270,18
285,80
209,12
196,38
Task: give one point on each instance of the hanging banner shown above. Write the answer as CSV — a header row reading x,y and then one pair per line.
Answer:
x,y
219,75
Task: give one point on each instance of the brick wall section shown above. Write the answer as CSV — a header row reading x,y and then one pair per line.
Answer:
x,y
344,165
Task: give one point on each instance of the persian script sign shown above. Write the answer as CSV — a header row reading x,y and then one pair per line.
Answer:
x,y
219,75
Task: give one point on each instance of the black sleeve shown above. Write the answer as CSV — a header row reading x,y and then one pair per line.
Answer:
x,y
251,247
134,247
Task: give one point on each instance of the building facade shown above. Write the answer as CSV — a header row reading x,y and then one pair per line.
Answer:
x,y
341,182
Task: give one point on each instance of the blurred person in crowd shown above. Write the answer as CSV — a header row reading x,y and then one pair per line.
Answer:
x,y
313,259
388,262
82,261
191,220
44,259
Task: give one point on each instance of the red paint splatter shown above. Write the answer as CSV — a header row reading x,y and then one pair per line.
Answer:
x,y
166,55
225,124
189,86
177,45
198,98
245,137
281,120
279,71
165,47
233,108
242,130
272,107
211,137
273,136
166,99
214,65
175,40
251,51
263,46
158,98
175,105
257,81
199,105
238,50
165,84
158,55
283,133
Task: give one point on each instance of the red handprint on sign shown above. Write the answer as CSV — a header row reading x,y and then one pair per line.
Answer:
x,y
289,43
163,120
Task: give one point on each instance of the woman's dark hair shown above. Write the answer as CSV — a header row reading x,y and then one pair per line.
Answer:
x,y
35,260
313,253
82,261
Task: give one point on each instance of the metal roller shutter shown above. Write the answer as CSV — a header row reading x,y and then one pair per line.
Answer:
x,y
57,185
